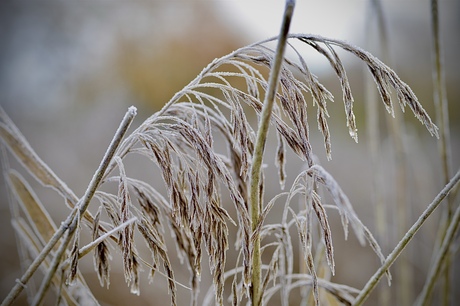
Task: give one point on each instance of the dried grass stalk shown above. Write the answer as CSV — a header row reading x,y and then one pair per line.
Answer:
x,y
101,255
127,234
73,256
40,220
156,245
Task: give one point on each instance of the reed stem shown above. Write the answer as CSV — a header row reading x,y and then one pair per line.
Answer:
x,y
442,114
260,147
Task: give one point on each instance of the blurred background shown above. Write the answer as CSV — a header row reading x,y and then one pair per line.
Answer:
x,y
70,69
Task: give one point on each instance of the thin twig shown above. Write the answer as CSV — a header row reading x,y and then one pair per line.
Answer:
x,y
404,241
82,206
260,146
89,247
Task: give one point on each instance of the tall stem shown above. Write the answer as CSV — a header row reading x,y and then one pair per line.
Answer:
x,y
440,97
376,37
442,113
260,146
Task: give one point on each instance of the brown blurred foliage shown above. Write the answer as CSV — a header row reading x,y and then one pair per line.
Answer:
x,y
154,70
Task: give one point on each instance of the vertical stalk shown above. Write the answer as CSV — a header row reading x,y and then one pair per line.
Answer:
x,y
400,209
440,98
376,36
260,147
442,114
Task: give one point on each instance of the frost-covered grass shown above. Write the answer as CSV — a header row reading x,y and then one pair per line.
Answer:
x,y
208,189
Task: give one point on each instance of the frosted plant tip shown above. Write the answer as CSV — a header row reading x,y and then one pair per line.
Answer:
x,y
132,109
354,135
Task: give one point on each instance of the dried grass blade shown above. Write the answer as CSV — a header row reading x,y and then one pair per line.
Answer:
x,y
234,292
135,288
111,206
158,248
36,214
271,274
326,230
346,93
240,130
336,64
149,209
73,257
324,128
20,148
264,214
101,255
127,234
347,212
280,161
304,234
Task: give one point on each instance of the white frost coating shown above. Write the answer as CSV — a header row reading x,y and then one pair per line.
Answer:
x,y
132,110
354,134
